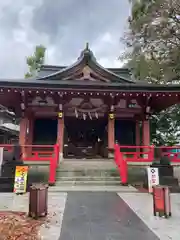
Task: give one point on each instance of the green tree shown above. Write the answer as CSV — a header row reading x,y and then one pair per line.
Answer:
x,y
35,61
153,54
153,40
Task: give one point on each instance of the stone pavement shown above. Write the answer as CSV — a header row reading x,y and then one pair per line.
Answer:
x,y
56,204
141,204
101,215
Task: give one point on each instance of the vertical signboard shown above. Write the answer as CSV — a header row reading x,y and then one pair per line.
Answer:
x,y
153,178
20,181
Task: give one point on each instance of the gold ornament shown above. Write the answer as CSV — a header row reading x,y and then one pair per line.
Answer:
x,y
111,116
60,115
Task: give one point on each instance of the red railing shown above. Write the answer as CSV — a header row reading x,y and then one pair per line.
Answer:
x,y
40,153
142,154
173,153
135,154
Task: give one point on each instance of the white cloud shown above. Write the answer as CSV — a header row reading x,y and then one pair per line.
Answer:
x,y
63,27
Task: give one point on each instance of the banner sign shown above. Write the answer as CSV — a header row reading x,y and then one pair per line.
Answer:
x,y
153,178
20,181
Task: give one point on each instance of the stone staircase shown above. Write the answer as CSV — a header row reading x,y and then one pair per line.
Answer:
x,y
89,174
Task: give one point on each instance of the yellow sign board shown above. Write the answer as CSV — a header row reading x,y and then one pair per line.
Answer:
x,y
20,181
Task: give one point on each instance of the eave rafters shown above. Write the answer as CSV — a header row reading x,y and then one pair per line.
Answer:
x,y
158,101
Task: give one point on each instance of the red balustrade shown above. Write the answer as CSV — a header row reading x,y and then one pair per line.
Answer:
x,y
136,154
142,154
40,153
172,152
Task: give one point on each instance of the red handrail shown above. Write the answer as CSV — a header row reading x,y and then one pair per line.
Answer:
x,y
122,158
138,156
173,156
32,153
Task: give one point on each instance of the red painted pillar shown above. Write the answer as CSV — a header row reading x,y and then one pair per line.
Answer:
x,y
111,132
30,134
138,137
23,134
22,131
146,138
60,136
53,165
121,164
146,133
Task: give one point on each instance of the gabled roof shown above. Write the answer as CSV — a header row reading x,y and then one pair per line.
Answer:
x,y
85,68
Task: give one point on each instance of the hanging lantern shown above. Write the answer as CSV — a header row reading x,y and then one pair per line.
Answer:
x,y
111,116
60,115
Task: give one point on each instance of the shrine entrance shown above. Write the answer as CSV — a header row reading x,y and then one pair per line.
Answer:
x,y
45,131
85,138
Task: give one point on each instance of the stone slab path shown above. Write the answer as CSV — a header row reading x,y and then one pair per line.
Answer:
x,y
141,204
56,205
101,216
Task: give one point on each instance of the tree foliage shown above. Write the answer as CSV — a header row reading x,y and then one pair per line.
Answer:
x,y
153,40
35,61
153,54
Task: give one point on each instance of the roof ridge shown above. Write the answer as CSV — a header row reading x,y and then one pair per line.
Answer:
x,y
86,57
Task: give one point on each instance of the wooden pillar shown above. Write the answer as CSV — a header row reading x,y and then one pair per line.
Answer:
x,y
138,135
146,132
22,131
111,131
60,135
30,134
23,134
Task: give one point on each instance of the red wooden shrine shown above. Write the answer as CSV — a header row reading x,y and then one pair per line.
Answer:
x,y
92,108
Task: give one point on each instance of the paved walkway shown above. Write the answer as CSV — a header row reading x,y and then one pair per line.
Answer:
x,y
56,205
141,204
101,216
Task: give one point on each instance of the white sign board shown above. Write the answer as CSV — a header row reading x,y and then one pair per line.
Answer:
x,y
153,177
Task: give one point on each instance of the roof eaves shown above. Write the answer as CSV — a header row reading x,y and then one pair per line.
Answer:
x,y
86,54
62,70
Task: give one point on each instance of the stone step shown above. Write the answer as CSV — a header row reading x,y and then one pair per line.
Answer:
x,y
87,165
87,178
86,182
85,172
95,188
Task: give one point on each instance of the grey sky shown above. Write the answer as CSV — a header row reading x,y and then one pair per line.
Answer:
x,y
63,26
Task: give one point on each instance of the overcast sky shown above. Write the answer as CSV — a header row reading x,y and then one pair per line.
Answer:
x,y
64,27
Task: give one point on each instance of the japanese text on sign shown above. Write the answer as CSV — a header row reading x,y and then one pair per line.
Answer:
x,y
153,178
20,179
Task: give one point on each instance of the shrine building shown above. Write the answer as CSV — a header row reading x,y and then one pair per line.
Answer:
x,y
84,107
